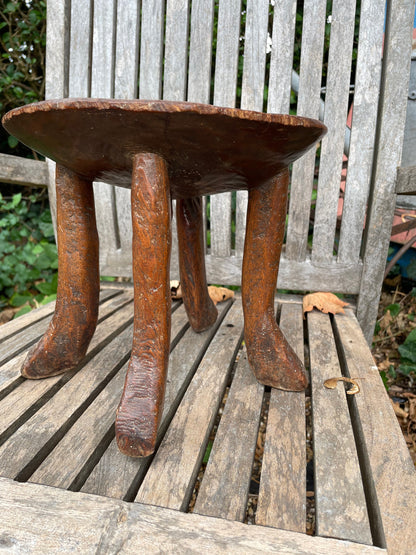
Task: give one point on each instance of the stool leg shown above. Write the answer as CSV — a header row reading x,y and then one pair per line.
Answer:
x,y
66,340
199,307
141,404
273,361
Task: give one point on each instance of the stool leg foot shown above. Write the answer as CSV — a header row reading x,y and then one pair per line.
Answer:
x,y
141,404
273,361
66,340
199,307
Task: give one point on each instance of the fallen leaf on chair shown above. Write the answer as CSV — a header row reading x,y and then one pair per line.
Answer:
x,y
331,383
325,302
175,289
219,294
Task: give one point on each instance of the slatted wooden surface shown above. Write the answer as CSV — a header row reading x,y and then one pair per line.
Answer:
x,y
59,431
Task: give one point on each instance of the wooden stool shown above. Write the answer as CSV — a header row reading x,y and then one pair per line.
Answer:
x,y
163,150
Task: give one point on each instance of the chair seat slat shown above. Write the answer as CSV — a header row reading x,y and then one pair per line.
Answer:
x,y
170,480
282,494
224,489
338,485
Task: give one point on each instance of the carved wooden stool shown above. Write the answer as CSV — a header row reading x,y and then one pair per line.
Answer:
x,y
163,150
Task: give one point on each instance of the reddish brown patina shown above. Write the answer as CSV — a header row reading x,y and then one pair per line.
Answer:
x,y
161,150
199,307
271,358
66,340
141,404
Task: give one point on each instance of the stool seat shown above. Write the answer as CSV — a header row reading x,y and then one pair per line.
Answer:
x,y
208,149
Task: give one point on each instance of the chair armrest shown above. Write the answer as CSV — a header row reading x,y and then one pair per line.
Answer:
x,y
23,171
406,181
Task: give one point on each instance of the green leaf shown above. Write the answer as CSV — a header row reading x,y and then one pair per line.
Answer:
x,y
407,369
394,309
12,141
408,349
22,311
16,199
19,300
48,299
46,288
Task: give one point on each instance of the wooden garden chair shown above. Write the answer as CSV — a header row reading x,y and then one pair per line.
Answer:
x,y
64,485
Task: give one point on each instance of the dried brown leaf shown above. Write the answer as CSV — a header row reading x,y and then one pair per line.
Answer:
x,y
175,289
219,294
331,383
325,302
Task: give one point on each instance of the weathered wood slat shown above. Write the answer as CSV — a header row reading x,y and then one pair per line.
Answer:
x,y
302,276
224,489
220,218
390,474
308,105
254,67
22,322
37,434
200,51
340,501
240,222
406,180
80,49
282,495
57,41
116,475
23,171
21,340
170,480
176,50
391,122
336,110
361,151
151,49
122,199
102,86
127,49
27,395
283,37
39,519
226,56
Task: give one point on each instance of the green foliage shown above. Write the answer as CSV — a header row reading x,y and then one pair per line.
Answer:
x,y
407,352
22,40
28,254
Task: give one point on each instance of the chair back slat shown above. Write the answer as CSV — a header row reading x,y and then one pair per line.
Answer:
x,y
252,89
126,49
336,111
391,124
80,58
151,49
361,150
255,44
225,92
176,50
226,58
310,76
200,51
281,59
57,41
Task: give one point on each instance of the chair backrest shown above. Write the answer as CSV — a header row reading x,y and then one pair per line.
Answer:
x,y
183,50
